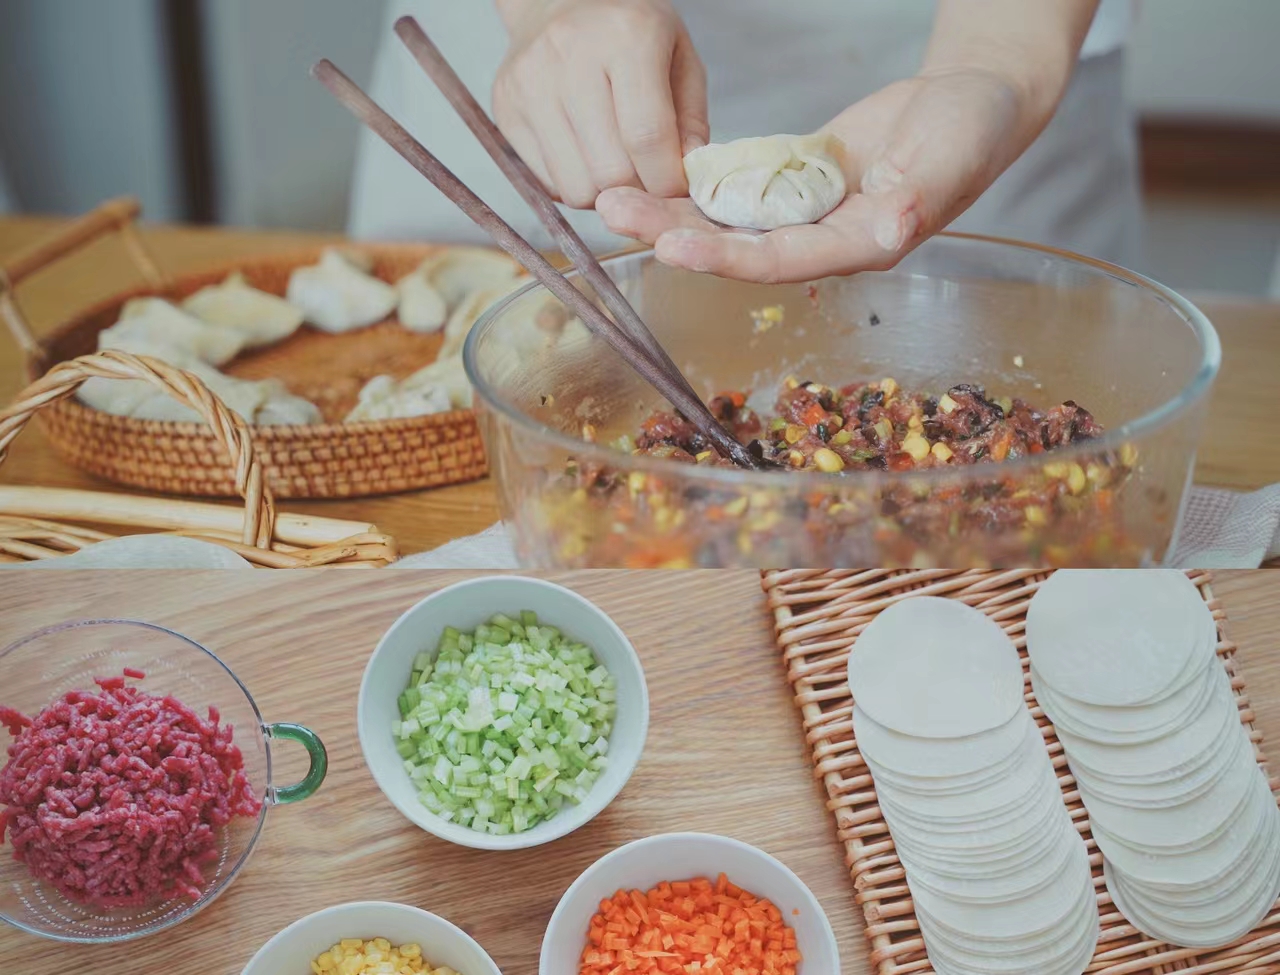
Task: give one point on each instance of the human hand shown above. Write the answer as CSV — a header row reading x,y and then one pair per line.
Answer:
x,y
596,94
918,153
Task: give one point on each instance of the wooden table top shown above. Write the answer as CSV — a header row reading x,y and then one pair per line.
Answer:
x,y
725,752
1240,449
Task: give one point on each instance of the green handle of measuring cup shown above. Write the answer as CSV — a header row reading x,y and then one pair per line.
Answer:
x,y
309,740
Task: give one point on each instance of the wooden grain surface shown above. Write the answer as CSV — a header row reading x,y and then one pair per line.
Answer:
x,y
725,754
1240,450
725,751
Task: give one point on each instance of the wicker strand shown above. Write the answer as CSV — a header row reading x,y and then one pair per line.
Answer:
x,y
817,616
229,429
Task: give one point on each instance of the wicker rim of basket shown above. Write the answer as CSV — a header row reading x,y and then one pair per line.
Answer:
x,y
230,431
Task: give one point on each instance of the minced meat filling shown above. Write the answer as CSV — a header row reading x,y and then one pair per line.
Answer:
x,y
875,426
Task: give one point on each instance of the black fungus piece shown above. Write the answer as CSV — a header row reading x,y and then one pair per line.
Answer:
x,y
874,320
823,433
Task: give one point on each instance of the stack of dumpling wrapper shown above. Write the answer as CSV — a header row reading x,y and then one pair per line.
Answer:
x,y
1124,663
448,291
998,874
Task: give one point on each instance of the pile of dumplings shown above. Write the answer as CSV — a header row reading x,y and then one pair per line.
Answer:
x,y
448,292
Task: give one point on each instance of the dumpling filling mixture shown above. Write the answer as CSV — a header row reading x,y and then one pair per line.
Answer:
x,y
1057,511
116,797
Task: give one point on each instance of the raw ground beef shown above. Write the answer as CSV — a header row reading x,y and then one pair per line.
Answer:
x,y
116,797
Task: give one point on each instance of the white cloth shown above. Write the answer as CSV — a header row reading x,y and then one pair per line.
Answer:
x,y
1219,530
771,68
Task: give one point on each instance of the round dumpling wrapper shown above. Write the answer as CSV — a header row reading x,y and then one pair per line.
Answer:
x,y
1115,636
936,668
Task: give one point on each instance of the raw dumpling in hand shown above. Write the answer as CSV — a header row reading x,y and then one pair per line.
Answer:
x,y
147,326
261,317
459,272
382,398
337,296
767,182
422,307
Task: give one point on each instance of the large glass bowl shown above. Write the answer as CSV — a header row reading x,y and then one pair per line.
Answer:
x,y
45,665
1020,320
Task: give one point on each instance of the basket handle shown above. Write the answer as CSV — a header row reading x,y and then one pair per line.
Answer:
x,y
118,215
229,429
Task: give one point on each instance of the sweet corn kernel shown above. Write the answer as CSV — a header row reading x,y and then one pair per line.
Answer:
x,y
1057,470
589,432
888,387
884,429
635,483
351,956
828,460
1098,474
843,437
702,456
795,458
794,433
791,382
736,507
1035,515
1076,480
916,445
1019,361
1005,404
947,404
1128,454
835,421
915,424
942,451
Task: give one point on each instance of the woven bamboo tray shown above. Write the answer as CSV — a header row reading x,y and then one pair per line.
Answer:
x,y
330,460
817,616
44,523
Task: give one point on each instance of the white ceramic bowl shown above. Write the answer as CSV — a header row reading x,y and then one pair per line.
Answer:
x,y
464,606
646,863
291,951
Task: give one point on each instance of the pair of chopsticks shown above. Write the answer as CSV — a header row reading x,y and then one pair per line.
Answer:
x,y
625,332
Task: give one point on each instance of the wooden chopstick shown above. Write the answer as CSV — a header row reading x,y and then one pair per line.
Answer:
x,y
676,391
530,187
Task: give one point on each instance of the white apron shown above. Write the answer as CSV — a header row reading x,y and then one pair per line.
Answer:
x,y
771,68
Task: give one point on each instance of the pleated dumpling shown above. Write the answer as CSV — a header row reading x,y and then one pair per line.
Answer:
x,y
768,182
336,295
262,318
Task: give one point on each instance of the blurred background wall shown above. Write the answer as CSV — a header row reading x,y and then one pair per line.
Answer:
x,y
205,110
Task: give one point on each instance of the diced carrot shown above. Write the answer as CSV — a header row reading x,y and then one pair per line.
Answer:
x,y
689,926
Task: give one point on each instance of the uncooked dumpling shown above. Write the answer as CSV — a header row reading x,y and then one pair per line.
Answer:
x,y
459,272
382,398
465,316
241,396
149,324
448,374
261,317
282,408
422,307
767,182
337,296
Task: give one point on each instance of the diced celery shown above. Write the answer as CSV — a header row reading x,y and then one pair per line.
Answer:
x,y
505,724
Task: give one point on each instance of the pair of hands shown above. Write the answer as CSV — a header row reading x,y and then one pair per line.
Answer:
x,y
602,98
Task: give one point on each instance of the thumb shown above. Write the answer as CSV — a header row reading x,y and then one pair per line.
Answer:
x,y
689,93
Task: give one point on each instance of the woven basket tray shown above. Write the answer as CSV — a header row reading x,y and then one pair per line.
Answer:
x,y
44,523
817,616
333,460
